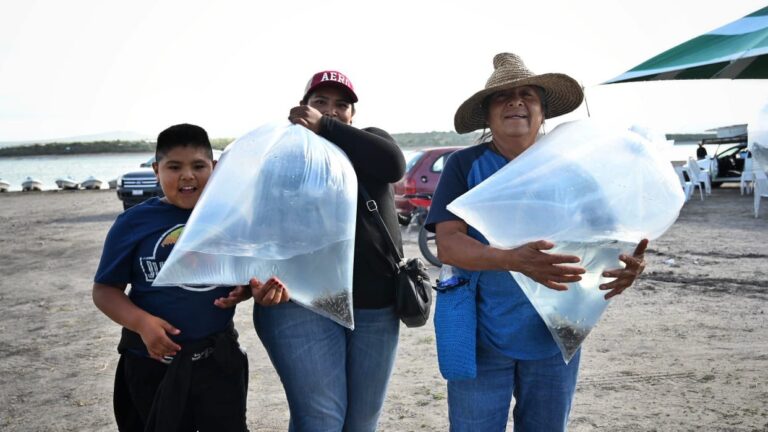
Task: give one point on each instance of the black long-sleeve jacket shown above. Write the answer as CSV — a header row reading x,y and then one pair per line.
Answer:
x,y
378,162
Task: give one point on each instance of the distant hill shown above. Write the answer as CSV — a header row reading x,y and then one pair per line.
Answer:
x,y
86,145
73,148
106,136
434,139
77,148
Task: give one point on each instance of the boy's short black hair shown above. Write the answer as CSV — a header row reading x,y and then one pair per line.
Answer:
x,y
182,135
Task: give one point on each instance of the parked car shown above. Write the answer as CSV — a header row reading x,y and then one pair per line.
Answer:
x,y
727,165
422,171
137,186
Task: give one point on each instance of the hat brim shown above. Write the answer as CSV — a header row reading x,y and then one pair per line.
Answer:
x,y
562,94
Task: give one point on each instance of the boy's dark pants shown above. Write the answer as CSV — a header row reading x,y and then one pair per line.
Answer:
x,y
216,397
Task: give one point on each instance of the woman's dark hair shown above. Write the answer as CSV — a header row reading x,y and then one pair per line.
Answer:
x,y
305,101
182,135
485,136
542,96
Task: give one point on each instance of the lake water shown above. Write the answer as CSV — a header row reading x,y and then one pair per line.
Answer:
x,y
108,166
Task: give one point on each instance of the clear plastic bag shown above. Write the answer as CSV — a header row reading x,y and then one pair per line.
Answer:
x,y
592,189
281,202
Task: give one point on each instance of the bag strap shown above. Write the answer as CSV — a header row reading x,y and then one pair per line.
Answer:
x,y
370,204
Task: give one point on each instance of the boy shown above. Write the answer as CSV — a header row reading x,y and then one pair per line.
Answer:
x,y
180,366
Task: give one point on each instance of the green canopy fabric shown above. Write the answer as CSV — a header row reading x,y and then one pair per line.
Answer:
x,y
735,51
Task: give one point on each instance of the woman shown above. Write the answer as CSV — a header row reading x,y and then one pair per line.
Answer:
x,y
515,353
336,379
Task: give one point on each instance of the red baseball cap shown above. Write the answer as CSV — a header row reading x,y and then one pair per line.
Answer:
x,y
330,77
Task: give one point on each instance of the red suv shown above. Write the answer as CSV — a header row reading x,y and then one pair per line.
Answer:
x,y
422,171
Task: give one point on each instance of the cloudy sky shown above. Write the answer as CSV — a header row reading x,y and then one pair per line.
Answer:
x,y
81,67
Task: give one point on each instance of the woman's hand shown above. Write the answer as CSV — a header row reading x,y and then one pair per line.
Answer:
x,y
237,295
455,247
626,276
154,333
306,116
270,293
544,268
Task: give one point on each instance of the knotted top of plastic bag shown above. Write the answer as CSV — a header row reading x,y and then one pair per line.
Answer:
x,y
583,181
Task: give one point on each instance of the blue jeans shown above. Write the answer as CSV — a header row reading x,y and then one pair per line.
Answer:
x,y
334,379
543,391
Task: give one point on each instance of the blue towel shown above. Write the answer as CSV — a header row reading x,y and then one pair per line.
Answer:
x,y
456,331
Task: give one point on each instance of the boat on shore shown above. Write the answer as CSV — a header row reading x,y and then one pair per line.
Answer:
x,y
67,183
92,183
4,185
31,184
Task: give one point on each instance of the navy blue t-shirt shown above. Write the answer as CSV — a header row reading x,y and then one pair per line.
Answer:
x,y
506,319
136,248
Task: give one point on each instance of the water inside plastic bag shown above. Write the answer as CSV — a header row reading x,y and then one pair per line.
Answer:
x,y
570,315
594,190
281,202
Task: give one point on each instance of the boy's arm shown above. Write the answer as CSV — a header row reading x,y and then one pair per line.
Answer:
x,y
115,304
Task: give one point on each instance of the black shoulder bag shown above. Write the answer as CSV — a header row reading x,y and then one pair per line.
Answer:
x,y
413,291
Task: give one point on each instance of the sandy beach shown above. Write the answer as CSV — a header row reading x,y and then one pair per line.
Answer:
x,y
685,349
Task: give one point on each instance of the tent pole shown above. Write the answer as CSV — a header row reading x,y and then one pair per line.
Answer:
x,y
584,90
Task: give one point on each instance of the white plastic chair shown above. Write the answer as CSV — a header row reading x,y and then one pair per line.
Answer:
x,y
708,164
747,177
761,189
700,175
687,185
694,174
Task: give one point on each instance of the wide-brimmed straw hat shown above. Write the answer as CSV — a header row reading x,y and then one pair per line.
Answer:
x,y
562,94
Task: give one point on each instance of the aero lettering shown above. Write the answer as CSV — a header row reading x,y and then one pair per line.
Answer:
x,y
335,76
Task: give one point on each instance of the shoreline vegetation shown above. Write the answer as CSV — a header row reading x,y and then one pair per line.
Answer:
x,y
405,140
92,147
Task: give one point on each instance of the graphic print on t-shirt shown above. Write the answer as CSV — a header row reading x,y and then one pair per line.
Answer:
x,y
151,265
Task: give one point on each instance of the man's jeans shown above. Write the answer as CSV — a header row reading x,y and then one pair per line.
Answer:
x,y
543,391
334,379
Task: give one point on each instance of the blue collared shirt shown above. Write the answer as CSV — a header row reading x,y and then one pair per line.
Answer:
x,y
506,319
